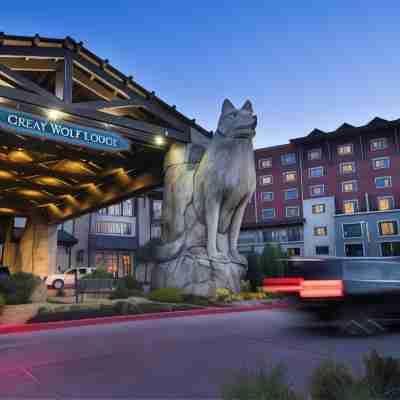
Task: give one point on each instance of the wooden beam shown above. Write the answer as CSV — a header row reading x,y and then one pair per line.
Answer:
x,y
93,86
23,82
32,52
29,64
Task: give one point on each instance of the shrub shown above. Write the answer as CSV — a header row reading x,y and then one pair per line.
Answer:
x,y
382,375
330,381
271,260
120,293
99,273
254,274
224,295
129,282
18,288
167,295
261,385
196,300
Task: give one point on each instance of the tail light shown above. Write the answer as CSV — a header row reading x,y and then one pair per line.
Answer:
x,y
282,285
322,289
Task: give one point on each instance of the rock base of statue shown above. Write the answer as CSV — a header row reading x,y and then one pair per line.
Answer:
x,y
195,273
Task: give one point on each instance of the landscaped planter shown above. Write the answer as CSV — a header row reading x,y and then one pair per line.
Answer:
x,y
19,314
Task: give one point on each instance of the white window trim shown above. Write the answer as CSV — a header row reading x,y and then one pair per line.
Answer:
x,y
376,139
289,190
291,163
268,208
318,204
260,161
353,237
292,216
289,172
383,177
266,184
316,195
347,162
378,159
386,197
346,182
319,150
320,226
343,145
349,243
314,168
388,220
262,197
350,200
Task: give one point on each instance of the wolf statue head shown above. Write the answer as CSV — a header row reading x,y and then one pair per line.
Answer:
x,y
237,124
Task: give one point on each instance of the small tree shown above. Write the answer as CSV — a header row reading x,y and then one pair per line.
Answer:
x,y
271,261
254,272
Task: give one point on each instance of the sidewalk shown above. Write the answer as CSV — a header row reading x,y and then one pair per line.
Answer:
x,y
22,328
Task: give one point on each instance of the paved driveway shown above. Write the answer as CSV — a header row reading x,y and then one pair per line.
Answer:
x,y
183,358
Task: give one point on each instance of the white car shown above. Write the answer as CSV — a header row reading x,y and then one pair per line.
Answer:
x,y
58,281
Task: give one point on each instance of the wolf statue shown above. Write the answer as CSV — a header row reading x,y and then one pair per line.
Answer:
x,y
206,191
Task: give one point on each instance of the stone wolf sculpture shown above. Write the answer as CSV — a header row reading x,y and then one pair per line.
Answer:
x,y
206,192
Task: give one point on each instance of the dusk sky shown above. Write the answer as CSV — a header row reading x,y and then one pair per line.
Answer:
x,y
304,64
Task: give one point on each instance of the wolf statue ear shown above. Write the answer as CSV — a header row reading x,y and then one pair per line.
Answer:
x,y
247,106
227,106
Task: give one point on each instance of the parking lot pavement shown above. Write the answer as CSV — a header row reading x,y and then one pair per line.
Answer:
x,y
178,358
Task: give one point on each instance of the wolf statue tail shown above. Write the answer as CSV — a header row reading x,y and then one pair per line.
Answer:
x,y
164,252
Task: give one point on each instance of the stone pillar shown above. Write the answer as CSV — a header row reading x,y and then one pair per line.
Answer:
x,y
9,246
38,248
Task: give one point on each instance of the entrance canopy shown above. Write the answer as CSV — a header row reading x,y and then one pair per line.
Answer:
x,y
75,133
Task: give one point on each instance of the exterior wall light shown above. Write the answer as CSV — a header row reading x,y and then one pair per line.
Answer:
x,y
54,114
159,140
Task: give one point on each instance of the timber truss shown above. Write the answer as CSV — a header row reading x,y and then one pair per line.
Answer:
x,y
59,180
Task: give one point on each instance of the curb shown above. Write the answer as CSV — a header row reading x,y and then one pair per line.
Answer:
x,y
42,326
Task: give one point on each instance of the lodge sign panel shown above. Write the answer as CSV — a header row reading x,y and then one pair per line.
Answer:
x,y
31,125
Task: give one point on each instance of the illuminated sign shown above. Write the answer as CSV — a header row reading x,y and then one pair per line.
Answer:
x,y
28,124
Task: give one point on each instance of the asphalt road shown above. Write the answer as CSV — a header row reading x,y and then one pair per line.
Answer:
x,y
182,358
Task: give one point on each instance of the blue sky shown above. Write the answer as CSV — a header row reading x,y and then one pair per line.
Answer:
x,y
304,64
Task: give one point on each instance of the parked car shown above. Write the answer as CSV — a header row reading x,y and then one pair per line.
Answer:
x,y
361,294
67,278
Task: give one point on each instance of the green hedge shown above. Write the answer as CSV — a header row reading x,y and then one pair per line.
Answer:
x,y
167,295
2,303
18,288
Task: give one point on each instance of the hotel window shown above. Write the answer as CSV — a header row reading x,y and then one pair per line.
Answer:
x,y
318,208
349,186
288,159
388,228
350,206
383,182
268,213
320,231
314,154
317,190
352,230
354,250
385,203
347,168
289,176
265,163
316,172
114,228
291,194
322,250
381,163
378,144
267,196
156,209
390,249
345,149
293,251
266,180
292,212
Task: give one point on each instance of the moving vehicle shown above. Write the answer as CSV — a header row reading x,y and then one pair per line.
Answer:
x,y
67,278
361,294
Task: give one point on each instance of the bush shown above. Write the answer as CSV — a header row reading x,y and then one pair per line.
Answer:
x,y
382,376
330,381
166,295
99,273
18,288
129,282
260,385
271,260
254,274
196,300
224,295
